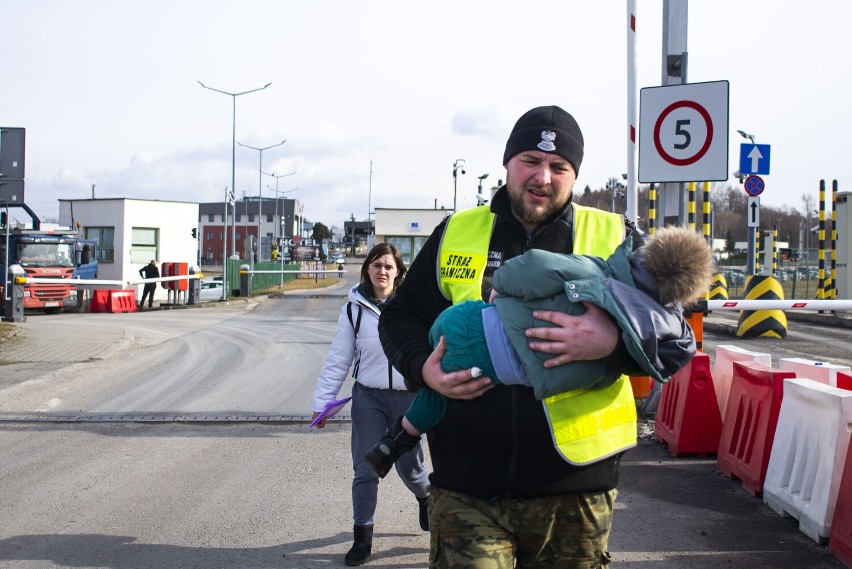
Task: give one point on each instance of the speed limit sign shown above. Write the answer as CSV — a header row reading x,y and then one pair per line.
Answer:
x,y
683,133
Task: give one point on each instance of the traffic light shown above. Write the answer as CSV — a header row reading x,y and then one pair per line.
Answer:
x,y
3,219
194,233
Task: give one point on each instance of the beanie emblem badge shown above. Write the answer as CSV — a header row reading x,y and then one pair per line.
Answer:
x,y
547,138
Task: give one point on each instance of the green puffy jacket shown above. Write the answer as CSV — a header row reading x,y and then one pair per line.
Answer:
x,y
540,280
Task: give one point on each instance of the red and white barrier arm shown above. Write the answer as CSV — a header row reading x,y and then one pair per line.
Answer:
x,y
104,282
779,305
163,279
75,282
302,272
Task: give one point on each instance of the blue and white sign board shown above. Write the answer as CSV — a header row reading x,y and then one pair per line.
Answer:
x,y
754,159
683,133
753,211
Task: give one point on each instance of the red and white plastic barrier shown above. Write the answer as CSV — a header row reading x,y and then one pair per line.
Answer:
x,y
749,426
808,454
723,370
844,380
840,541
688,418
823,372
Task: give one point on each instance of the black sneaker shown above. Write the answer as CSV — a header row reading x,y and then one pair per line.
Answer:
x,y
382,456
393,445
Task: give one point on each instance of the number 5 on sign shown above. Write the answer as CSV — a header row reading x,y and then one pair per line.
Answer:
x,y
683,133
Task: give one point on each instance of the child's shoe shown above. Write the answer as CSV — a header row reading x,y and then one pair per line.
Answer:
x,y
393,445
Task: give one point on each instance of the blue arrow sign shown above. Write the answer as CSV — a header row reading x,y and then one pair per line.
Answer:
x,y
754,159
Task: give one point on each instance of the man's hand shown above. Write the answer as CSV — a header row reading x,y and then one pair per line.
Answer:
x,y
590,336
455,385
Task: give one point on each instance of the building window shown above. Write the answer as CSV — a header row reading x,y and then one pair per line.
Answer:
x,y
408,246
251,218
105,236
269,218
211,217
239,217
143,244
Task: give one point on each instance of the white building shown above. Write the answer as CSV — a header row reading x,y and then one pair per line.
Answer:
x,y
408,229
131,232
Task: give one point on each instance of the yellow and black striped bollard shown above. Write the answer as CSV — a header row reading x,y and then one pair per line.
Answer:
x,y
762,323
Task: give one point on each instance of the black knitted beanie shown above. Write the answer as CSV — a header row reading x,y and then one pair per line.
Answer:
x,y
549,129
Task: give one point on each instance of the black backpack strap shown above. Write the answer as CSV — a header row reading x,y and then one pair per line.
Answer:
x,y
356,325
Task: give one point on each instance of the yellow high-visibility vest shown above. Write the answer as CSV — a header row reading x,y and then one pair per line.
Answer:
x,y
464,253
587,425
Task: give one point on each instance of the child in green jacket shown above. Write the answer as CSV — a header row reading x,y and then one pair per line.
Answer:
x,y
642,291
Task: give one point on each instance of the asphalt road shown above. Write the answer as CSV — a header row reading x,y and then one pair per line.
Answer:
x,y
256,491
812,336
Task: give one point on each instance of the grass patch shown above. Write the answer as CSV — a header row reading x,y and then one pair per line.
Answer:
x,y
7,330
302,284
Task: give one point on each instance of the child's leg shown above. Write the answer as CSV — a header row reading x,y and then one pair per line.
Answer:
x,y
428,409
425,412
409,428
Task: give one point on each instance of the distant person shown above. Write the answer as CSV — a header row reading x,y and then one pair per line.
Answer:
x,y
379,394
639,291
149,271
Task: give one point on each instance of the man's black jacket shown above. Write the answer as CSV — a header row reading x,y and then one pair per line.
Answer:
x,y
498,444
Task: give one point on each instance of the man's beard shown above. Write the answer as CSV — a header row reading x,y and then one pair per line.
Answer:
x,y
531,216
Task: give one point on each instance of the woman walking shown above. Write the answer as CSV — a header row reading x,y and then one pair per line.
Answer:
x,y
379,394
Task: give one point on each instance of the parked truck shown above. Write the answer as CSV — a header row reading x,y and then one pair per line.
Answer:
x,y
58,255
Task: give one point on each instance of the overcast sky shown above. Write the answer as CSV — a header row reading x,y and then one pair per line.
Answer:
x,y
109,96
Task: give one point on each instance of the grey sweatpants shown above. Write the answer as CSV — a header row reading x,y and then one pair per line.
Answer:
x,y
373,413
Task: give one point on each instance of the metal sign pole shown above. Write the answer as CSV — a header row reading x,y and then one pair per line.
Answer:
x,y
6,295
225,247
675,18
751,256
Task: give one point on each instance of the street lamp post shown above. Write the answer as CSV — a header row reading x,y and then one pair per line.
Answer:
x,y
480,198
457,165
746,135
369,198
277,177
277,193
616,187
260,189
234,132
482,177
229,199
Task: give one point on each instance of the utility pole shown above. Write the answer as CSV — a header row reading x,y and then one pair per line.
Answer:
x,y
369,199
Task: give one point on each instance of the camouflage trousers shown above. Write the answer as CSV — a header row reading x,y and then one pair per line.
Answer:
x,y
563,531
